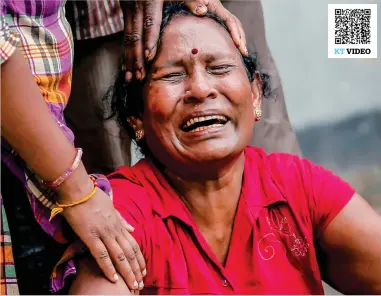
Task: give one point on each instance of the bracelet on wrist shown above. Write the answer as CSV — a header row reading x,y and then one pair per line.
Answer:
x,y
59,208
68,172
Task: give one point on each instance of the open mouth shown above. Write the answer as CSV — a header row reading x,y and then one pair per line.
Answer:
x,y
203,122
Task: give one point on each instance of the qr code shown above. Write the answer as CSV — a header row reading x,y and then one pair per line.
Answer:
x,y
352,31
353,26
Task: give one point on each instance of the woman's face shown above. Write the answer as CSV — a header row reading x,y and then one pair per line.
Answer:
x,y
198,99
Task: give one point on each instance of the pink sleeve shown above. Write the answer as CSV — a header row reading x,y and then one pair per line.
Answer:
x,y
132,203
328,194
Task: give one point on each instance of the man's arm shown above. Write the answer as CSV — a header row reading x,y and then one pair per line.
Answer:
x,y
351,247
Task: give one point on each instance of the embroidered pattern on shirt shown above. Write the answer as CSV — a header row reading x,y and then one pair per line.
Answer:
x,y
278,223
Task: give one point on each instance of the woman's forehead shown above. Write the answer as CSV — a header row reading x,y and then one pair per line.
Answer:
x,y
184,32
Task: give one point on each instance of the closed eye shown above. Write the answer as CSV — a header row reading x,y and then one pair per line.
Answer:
x,y
173,76
220,70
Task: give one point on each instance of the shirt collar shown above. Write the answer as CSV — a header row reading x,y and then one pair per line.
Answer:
x,y
165,200
259,189
259,186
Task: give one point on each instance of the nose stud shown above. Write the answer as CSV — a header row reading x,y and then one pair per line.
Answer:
x,y
194,51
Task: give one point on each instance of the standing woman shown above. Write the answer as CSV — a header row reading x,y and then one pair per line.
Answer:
x,y
36,51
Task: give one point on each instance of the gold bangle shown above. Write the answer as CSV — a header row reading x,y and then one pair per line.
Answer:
x,y
60,207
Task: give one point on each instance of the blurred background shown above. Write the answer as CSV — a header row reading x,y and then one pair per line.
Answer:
x,y
333,104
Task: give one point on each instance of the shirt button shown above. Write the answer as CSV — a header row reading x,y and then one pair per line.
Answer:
x,y
225,283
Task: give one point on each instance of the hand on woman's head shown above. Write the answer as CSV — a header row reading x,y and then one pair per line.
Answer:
x,y
196,104
142,21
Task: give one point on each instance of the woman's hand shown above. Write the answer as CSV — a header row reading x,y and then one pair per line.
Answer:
x,y
106,234
48,152
142,21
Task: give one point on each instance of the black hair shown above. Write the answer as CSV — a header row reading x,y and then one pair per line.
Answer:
x,y
126,98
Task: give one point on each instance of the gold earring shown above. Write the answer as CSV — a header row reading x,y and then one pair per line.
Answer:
x,y
258,113
139,135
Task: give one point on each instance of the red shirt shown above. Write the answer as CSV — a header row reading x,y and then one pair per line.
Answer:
x,y
285,204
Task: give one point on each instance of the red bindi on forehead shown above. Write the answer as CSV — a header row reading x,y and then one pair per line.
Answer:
x,y
194,51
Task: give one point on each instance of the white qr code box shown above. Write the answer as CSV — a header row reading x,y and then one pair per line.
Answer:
x,y
352,31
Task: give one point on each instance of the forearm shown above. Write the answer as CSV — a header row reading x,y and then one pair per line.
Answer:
x,y
29,127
